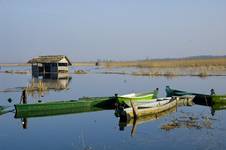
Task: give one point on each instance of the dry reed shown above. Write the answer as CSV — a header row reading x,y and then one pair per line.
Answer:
x,y
174,63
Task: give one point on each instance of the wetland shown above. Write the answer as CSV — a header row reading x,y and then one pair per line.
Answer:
x,y
187,127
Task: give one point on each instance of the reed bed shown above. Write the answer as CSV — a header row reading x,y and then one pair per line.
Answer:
x,y
201,67
172,72
171,63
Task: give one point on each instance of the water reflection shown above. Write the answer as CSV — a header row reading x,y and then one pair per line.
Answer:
x,y
24,122
47,82
39,86
69,127
56,112
24,115
208,101
6,109
135,122
187,120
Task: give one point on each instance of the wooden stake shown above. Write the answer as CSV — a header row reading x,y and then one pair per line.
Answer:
x,y
135,113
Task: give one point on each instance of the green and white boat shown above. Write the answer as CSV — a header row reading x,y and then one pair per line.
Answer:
x,y
174,92
207,98
64,107
136,97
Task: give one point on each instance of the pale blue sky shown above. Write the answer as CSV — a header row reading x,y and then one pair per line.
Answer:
x,y
111,29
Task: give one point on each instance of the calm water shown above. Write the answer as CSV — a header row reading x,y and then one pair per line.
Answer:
x,y
100,130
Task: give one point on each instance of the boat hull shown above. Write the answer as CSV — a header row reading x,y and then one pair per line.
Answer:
x,y
154,109
200,99
142,97
62,107
173,92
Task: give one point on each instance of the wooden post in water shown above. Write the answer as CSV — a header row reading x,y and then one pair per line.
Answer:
x,y
176,101
135,113
133,130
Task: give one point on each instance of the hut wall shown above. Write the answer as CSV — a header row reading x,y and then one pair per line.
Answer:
x,y
53,68
63,66
62,69
35,70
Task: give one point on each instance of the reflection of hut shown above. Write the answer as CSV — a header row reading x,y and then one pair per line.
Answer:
x,y
59,84
52,64
41,86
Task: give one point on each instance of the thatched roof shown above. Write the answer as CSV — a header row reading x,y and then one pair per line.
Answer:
x,y
49,59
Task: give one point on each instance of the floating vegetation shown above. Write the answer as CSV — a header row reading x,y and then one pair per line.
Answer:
x,y
156,74
188,122
169,72
80,72
16,72
16,89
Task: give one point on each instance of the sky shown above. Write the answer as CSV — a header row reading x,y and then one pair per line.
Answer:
x,y
87,30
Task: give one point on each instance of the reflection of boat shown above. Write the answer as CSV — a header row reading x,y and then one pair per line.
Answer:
x,y
148,118
219,99
63,107
1,110
210,100
213,104
29,114
147,96
174,92
218,106
5,109
203,100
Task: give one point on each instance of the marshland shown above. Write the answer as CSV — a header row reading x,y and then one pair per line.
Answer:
x,y
193,126
192,66
112,75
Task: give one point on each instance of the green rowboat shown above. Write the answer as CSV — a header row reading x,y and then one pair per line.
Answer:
x,y
173,92
207,99
64,107
55,112
141,97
